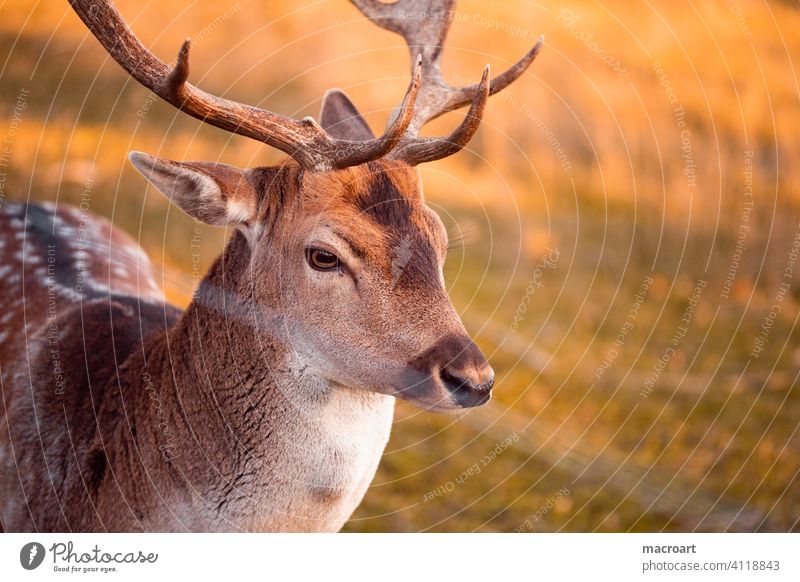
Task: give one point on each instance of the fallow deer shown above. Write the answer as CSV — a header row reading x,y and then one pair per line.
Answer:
x,y
267,403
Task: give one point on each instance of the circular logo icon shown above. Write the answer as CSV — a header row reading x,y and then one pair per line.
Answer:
x,y
31,555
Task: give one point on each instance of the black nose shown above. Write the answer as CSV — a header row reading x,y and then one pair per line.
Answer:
x,y
468,389
457,365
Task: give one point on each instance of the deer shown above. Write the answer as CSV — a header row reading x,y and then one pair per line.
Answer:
x,y
266,404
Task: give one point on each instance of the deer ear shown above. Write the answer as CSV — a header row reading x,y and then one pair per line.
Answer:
x,y
340,118
216,194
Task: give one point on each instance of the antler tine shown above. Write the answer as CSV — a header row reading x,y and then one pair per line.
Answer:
x,y
304,140
364,151
180,74
426,149
501,81
424,25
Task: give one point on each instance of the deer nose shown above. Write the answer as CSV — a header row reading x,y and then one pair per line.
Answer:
x,y
467,387
466,374
457,366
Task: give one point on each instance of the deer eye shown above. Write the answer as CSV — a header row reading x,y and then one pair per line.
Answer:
x,y
321,260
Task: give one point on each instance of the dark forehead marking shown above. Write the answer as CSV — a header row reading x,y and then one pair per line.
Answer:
x,y
381,200
414,263
411,257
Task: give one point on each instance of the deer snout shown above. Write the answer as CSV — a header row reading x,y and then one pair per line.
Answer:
x,y
457,370
468,377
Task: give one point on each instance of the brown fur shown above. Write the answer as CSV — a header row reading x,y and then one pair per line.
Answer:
x,y
267,403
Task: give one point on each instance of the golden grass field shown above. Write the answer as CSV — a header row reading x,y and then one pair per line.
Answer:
x,y
625,224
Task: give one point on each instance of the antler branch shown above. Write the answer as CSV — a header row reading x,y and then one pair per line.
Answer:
x,y
304,140
424,25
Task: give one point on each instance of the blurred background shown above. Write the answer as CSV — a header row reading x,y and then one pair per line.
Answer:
x,y
626,235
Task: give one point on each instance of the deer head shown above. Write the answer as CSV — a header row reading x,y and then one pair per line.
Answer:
x,y
338,239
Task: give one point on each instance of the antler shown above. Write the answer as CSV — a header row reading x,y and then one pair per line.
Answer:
x,y
424,25
304,140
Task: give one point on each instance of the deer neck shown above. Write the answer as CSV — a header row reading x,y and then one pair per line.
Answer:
x,y
249,411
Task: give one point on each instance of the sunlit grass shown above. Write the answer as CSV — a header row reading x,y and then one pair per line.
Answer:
x,y
576,156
